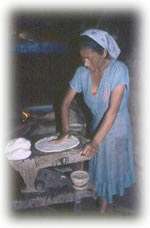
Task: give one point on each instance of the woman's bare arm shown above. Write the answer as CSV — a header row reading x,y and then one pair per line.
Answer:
x,y
65,115
65,109
107,121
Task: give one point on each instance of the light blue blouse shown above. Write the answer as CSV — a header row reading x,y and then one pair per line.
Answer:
x,y
112,169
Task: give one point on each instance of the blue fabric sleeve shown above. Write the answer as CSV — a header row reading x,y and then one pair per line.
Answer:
x,y
76,82
120,76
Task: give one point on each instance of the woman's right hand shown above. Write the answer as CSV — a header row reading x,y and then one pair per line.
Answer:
x,y
62,137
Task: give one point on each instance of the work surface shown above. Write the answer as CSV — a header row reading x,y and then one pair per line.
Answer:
x,y
28,168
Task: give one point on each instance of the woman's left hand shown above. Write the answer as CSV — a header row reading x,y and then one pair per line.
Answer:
x,y
89,150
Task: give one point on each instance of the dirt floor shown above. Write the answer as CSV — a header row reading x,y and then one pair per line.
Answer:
x,y
126,206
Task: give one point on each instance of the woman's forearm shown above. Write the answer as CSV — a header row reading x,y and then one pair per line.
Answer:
x,y
110,115
65,109
65,117
90,149
105,125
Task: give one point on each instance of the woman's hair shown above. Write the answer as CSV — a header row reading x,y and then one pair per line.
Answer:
x,y
87,42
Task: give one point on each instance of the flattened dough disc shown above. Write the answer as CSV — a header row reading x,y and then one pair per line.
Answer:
x,y
44,144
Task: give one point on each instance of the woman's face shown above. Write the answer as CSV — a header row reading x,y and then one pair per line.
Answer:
x,y
91,59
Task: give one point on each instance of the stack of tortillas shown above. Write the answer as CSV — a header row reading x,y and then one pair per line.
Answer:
x,y
45,144
18,149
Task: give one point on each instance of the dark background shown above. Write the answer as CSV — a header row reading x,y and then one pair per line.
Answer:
x,y
41,78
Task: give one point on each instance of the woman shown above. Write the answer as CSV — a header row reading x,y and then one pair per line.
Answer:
x,y
104,82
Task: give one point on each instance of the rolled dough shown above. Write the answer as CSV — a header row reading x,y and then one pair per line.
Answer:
x,y
44,144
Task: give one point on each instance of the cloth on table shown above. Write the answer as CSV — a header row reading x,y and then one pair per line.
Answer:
x,y
18,149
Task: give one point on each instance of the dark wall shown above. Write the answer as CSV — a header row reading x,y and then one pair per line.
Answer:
x,y
39,78
43,79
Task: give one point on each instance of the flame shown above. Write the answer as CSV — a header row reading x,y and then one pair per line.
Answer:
x,y
26,115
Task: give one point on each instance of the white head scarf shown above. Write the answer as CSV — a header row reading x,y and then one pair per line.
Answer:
x,y
105,40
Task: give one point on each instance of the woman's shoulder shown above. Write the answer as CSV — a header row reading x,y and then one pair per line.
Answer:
x,y
119,72
82,69
119,65
80,73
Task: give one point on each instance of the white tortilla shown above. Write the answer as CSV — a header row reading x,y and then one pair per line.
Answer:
x,y
44,144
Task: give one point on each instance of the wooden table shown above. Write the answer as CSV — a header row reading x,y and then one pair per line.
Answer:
x,y
28,168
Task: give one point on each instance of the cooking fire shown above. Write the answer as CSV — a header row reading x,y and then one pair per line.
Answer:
x,y
26,115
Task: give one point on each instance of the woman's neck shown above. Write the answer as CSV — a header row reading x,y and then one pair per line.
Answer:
x,y
103,66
